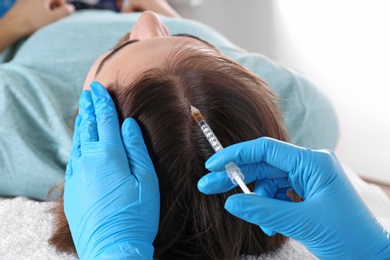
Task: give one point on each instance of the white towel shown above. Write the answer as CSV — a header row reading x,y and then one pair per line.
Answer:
x,y
26,225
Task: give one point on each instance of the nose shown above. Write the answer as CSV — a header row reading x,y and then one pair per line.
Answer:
x,y
148,26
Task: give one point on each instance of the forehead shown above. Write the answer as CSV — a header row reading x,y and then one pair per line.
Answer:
x,y
140,56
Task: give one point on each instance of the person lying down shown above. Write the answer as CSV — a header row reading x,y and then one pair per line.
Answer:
x,y
151,75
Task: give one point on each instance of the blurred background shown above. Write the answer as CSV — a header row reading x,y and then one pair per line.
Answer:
x,y
342,46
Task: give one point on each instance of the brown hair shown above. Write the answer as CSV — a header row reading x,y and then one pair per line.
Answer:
x,y
238,106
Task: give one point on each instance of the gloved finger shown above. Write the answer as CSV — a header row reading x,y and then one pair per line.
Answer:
x,y
218,182
106,114
137,154
75,151
88,128
273,188
276,153
271,214
268,231
281,194
215,182
266,188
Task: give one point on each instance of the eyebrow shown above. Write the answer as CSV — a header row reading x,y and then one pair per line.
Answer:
x,y
121,46
196,38
112,53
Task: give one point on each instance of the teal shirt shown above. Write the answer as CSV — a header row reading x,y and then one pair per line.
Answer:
x,y
41,83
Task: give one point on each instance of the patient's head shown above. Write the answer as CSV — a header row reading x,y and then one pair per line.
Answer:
x,y
237,105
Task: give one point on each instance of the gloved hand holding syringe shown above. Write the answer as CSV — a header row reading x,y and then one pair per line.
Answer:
x,y
232,170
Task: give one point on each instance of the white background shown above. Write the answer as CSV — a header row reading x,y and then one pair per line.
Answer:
x,y
342,45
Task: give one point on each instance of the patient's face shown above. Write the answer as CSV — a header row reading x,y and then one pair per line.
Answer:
x,y
146,47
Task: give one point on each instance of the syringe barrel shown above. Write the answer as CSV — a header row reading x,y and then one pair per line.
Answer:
x,y
210,136
232,170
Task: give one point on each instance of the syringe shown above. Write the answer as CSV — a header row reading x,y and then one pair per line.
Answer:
x,y
232,170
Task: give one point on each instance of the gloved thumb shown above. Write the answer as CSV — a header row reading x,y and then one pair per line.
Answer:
x,y
271,215
137,154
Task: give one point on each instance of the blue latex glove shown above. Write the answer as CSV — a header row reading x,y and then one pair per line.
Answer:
x,y
111,196
332,221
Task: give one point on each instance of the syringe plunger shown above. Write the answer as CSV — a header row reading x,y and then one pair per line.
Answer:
x,y
236,176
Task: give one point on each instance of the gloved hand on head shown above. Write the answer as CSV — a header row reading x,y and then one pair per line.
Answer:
x,y
111,195
332,221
